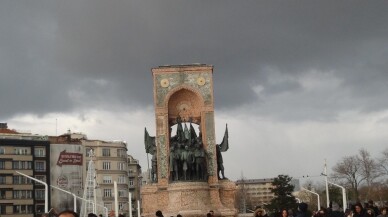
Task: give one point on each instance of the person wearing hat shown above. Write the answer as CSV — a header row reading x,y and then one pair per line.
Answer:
x,y
260,212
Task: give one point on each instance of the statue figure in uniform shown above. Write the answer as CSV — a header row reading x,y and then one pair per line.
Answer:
x,y
150,147
222,147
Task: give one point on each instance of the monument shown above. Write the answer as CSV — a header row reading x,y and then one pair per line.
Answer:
x,y
187,173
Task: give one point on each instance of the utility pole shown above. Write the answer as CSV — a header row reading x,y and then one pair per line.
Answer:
x,y
327,186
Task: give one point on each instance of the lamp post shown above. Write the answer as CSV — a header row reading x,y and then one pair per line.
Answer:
x,y
138,208
45,187
130,204
116,199
319,203
343,194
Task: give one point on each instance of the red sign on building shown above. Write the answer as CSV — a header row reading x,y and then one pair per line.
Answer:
x,y
66,158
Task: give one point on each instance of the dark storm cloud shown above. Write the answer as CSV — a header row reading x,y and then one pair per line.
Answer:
x,y
63,55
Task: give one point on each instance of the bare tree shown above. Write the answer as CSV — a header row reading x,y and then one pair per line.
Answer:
x,y
383,162
349,168
369,169
242,197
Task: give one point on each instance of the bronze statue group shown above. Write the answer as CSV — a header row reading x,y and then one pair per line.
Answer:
x,y
188,159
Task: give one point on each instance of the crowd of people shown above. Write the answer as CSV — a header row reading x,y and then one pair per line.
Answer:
x,y
357,210
160,214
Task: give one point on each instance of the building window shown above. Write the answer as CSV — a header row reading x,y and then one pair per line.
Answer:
x,y
2,194
2,164
106,152
121,180
22,209
41,178
87,151
40,152
121,205
121,153
2,150
21,180
120,165
2,209
130,182
39,208
107,179
22,194
40,166
24,165
106,165
107,192
39,194
122,193
108,205
21,151
2,179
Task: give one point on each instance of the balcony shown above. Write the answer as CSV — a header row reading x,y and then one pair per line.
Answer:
x,y
132,175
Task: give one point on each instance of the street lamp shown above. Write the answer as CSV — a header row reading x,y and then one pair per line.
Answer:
x,y
45,187
319,203
343,194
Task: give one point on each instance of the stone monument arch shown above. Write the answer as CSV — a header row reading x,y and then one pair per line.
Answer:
x,y
184,94
186,102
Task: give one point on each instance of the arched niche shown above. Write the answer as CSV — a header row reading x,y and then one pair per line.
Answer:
x,y
186,104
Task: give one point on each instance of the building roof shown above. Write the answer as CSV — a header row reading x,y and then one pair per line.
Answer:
x,y
254,181
184,65
8,131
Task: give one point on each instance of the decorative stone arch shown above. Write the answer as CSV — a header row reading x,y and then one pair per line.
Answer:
x,y
186,102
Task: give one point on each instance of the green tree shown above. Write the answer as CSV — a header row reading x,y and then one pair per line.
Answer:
x,y
282,189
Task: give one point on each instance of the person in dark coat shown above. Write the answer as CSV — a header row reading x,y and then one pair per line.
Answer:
x,y
159,213
302,210
375,209
335,211
358,210
383,212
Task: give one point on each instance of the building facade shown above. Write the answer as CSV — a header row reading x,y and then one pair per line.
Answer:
x,y
134,182
254,193
62,163
28,154
110,160
67,162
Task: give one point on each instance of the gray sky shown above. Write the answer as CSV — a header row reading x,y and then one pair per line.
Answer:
x,y
296,81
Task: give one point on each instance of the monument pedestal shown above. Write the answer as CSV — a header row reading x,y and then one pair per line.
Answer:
x,y
190,199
